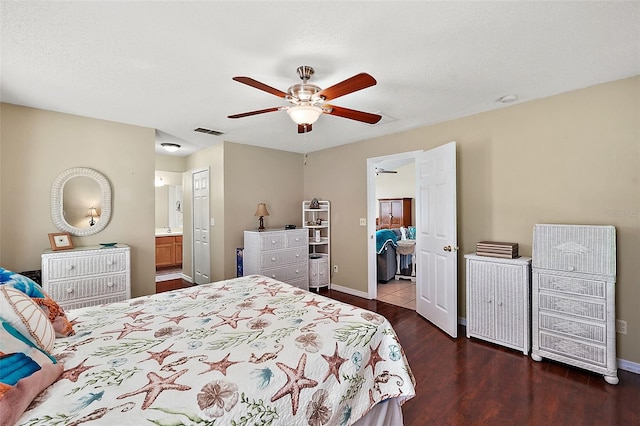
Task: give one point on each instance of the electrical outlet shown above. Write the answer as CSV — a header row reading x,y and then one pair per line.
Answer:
x,y
335,268
621,326
363,221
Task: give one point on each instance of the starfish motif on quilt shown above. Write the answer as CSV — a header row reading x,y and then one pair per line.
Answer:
x,y
335,361
333,315
263,282
295,382
374,358
232,321
274,291
193,294
175,319
160,356
266,310
313,302
129,328
220,366
135,315
72,374
157,385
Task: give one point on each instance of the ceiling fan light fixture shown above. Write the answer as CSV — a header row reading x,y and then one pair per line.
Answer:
x,y
170,147
304,114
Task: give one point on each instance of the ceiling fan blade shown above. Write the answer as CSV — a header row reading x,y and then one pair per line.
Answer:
x,y
255,83
350,85
352,114
250,113
304,128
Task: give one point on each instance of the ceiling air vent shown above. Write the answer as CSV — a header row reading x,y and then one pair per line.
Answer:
x,y
208,131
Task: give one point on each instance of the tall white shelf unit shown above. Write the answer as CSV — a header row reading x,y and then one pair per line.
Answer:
x,y
573,297
317,223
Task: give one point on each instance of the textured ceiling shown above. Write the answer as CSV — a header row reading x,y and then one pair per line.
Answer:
x,y
169,65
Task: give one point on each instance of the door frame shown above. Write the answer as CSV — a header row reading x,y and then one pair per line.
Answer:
x,y
372,163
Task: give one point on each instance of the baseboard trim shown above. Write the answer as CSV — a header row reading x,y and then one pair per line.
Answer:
x,y
350,291
186,278
630,366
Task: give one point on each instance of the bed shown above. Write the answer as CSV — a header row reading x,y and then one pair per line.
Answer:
x,y
250,350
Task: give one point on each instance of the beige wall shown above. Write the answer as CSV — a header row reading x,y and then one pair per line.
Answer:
x,y
241,176
36,146
572,158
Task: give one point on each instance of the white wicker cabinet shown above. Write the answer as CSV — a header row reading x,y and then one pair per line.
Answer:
x,y
573,300
318,226
87,276
498,292
279,254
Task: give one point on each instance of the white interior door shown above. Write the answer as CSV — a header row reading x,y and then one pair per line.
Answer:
x,y
201,249
436,238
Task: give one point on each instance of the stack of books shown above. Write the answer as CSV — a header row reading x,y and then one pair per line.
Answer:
x,y
497,249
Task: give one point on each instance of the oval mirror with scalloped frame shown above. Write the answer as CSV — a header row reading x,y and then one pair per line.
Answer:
x,y
81,201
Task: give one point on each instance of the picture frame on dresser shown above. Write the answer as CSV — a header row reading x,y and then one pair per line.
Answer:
x,y
60,241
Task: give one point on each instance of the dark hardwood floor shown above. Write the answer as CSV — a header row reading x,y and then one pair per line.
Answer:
x,y
471,382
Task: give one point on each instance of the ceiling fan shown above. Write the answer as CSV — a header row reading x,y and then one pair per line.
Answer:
x,y
308,100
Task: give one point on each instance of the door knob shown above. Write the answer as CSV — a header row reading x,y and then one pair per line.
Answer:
x,y
446,248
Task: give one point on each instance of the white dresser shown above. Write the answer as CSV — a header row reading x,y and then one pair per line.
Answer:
x,y
573,299
498,293
279,254
87,276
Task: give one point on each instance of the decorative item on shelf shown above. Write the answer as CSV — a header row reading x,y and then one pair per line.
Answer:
x,y
497,249
108,244
261,211
60,241
315,204
92,213
318,221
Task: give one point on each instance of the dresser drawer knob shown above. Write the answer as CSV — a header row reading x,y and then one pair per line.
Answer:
x,y
297,271
297,255
297,239
273,259
69,290
572,268
273,275
273,241
109,284
70,268
109,262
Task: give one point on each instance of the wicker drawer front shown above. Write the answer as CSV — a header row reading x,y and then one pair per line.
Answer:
x,y
318,271
88,288
288,273
581,351
72,266
297,239
594,310
272,241
302,283
575,248
571,285
284,257
94,302
589,331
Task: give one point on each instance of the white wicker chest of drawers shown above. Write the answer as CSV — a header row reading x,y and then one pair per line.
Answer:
x,y
498,296
87,276
573,298
280,254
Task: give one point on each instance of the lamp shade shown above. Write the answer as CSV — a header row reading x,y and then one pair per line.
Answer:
x,y
304,114
92,212
262,210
